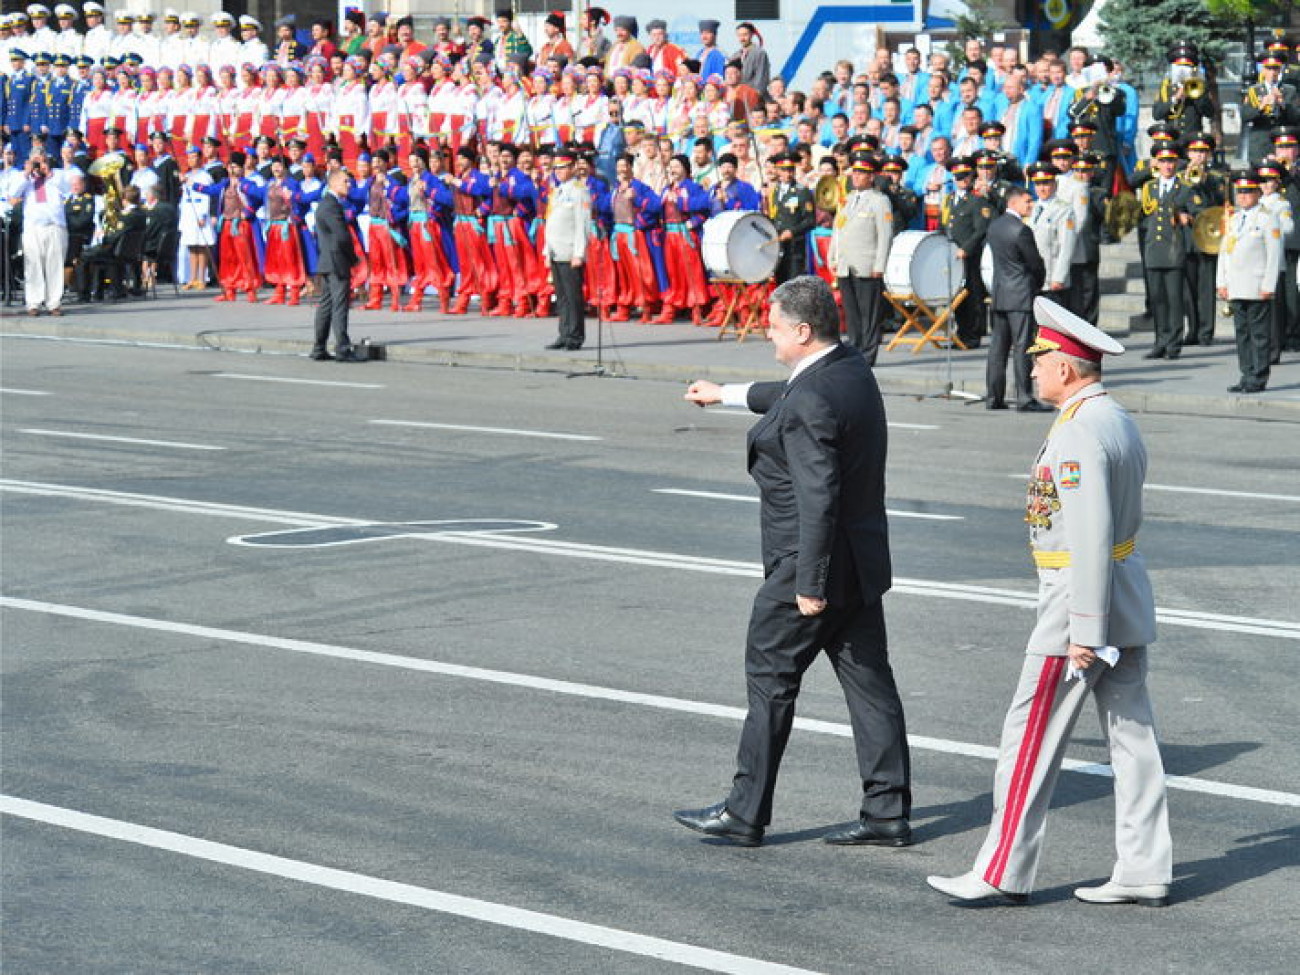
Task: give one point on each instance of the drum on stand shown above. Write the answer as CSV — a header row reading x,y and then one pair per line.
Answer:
x,y
924,265
740,245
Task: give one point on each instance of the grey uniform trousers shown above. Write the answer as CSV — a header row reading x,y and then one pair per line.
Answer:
x,y
1034,738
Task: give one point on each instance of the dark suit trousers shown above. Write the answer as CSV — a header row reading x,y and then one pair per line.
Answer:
x,y
972,311
1085,292
1201,310
567,280
1012,331
862,313
1166,284
1254,322
332,312
794,259
782,645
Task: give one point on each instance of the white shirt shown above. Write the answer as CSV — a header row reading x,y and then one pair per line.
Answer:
x,y
737,394
47,212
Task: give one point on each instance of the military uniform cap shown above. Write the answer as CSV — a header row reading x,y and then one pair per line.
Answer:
x,y
1061,147
961,166
42,57
1273,59
1060,330
222,18
1162,130
145,18
1270,169
62,61
1246,181
1166,151
247,21
1041,173
124,17
170,16
983,159
894,163
65,12
17,55
92,8
1083,127
783,160
1204,143
865,163
1286,135
992,129
35,10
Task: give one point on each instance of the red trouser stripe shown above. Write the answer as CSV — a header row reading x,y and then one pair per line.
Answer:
x,y
1040,713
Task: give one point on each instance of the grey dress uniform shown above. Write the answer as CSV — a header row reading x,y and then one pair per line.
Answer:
x,y
1084,510
568,214
1054,227
860,240
1279,205
1248,267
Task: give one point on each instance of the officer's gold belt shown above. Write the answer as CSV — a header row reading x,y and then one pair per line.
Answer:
x,y
1061,560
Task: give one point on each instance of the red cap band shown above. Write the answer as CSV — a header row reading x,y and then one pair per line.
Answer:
x,y
1067,344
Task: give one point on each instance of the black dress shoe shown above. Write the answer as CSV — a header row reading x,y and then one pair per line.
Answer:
x,y
320,355
1155,354
1173,355
347,356
573,346
559,344
716,821
1034,407
1237,388
872,832
995,404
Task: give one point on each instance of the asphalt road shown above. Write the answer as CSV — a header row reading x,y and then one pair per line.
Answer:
x,y
456,680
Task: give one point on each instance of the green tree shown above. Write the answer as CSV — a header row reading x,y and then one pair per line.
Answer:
x,y
981,20
1140,32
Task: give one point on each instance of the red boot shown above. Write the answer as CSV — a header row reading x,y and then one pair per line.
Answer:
x,y
397,299
460,306
278,297
523,309
697,315
502,310
376,298
444,301
665,317
295,296
252,296
416,301
227,294
621,314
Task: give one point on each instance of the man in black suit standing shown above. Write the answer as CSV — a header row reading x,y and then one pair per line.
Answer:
x,y
818,456
1018,276
337,257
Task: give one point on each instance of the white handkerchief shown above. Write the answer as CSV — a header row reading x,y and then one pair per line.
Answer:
x,y
1108,655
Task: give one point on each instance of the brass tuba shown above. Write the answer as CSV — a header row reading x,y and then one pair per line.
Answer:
x,y
109,168
829,193
1194,88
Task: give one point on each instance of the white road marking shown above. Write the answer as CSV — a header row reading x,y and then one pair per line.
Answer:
x,y
912,426
509,431
24,392
927,588
1218,492
490,912
592,691
248,377
73,435
715,496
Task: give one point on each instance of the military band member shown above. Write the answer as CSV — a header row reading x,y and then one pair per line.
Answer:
x,y
989,181
1102,104
1248,270
1208,189
1267,104
965,220
905,204
1053,224
794,215
1274,199
1090,213
1175,103
1096,616
863,231
993,134
1286,150
1165,219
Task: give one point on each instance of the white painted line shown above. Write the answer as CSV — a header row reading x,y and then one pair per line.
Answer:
x,y
490,912
23,392
715,496
913,426
72,435
590,691
509,431
248,377
1218,492
544,545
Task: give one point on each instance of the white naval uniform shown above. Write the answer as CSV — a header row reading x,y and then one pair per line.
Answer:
x,y
1084,509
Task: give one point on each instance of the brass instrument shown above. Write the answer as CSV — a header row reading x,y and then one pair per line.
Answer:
x,y
1107,94
1192,175
769,202
829,194
1208,229
109,168
1194,88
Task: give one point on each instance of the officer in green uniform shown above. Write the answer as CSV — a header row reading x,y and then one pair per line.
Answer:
x,y
1090,215
1160,134
79,211
964,218
1165,217
1286,150
990,183
1173,103
794,215
1207,189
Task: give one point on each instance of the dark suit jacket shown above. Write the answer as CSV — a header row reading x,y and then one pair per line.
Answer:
x,y
337,255
818,456
169,180
159,222
1018,270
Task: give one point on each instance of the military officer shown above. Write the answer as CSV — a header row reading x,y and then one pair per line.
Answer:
x,y
1053,224
568,214
1173,103
965,219
1286,150
95,44
1096,616
1272,177
794,214
860,239
1090,218
989,181
1208,189
68,41
17,104
1165,219
1248,270
904,202
1266,105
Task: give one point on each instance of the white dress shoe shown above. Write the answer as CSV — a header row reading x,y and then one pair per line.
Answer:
x,y
968,887
1148,895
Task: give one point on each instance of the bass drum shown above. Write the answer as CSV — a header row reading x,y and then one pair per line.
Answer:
x,y
986,269
924,265
740,244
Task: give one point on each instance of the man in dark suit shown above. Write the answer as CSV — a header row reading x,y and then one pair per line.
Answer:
x,y
337,257
161,221
97,261
1018,276
818,456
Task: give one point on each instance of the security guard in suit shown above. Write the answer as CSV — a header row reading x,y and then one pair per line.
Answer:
x,y
1248,268
793,212
860,238
1208,189
1165,244
1096,617
1053,224
965,218
1090,218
